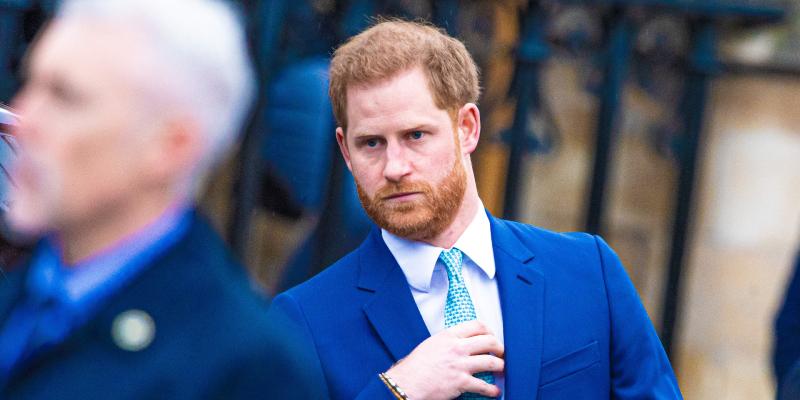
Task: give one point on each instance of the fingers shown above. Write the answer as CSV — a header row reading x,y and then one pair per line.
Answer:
x,y
475,385
469,329
483,344
484,363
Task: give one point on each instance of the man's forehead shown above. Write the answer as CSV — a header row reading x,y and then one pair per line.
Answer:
x,y
75,45
373,114
401,102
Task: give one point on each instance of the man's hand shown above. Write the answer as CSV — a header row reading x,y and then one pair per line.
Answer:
x,y
442,366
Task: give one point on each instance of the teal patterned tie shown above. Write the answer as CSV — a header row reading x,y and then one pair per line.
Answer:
x,y
459,307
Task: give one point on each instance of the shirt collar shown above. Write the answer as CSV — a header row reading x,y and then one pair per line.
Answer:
x,y
418,259
86,278
476,243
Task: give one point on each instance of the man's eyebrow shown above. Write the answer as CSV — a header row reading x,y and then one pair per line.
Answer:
x,y
362,133
420,127
370,133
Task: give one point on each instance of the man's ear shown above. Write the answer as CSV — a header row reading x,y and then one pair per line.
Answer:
x,y
174,149
341,139
468,123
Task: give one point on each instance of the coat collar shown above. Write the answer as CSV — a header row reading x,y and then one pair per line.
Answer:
x,y
392,310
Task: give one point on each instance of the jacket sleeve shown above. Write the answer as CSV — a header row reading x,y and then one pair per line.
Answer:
x,y
640,368
286,312
375,390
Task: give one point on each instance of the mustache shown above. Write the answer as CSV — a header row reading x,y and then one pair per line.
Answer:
x,y
394,189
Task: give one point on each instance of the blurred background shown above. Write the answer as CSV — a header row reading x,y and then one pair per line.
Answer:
x,y
671,127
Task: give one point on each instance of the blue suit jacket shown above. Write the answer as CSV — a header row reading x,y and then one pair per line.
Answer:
x,y
212,337
573,324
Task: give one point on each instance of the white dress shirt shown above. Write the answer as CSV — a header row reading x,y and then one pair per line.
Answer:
x,y
427,276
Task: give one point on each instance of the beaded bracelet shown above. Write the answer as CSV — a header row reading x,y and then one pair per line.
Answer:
x,y
396,391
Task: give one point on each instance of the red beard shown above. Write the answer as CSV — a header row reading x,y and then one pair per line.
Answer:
x,y
420,219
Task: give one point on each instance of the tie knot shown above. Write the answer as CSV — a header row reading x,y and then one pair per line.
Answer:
x,y
452,259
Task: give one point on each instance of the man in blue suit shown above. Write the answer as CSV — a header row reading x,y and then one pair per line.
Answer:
x,y
129,294
443,300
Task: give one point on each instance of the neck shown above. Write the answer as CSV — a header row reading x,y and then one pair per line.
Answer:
x,y
464,216
105,228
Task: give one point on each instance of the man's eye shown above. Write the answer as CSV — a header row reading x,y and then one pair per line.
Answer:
x,y
371,142
64,94
416,135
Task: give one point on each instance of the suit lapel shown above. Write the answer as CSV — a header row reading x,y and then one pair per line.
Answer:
x,y
392,310
521,289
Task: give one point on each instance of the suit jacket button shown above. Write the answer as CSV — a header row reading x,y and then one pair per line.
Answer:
x,y
133,330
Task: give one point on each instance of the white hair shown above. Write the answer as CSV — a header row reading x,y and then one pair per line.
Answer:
x,y
201,56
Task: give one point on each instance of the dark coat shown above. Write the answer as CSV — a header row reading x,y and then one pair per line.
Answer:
x,y
212,337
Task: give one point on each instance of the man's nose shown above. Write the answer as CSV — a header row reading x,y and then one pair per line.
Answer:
x,y
397,163
24,108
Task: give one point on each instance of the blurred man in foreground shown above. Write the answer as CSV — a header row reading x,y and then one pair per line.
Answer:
x,y
445,301
129,294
